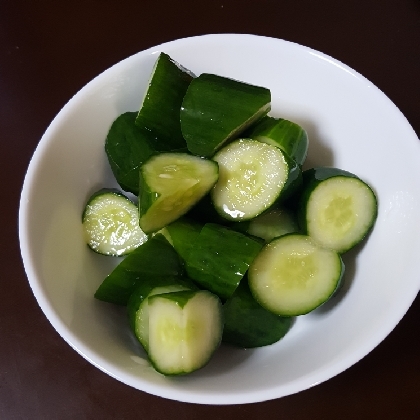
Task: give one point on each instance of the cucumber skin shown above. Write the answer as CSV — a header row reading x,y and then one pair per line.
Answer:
x,y
248,324
286,135
311,178
220,258
100,192
126,147
155,258
205,126
165,99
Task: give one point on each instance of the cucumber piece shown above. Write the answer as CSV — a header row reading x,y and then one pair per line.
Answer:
x,y
293,275
277,221
252,177
159,110
337,209
182,235
126,147
286,135
185,329
216,109
220,258
111,223
248,324
155,258
171,183
138,307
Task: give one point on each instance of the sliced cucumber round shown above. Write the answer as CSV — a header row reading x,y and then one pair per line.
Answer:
x,y
293,275
185,328
337,209
171,183
252,177
111,223
287,135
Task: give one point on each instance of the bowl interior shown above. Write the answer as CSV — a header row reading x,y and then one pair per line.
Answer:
x,y
351,125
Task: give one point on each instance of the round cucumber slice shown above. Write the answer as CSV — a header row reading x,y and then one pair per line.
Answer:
x,y
293,275
170,184
252,177
111,223
337,209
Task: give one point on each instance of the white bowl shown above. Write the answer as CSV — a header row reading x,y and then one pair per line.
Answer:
x,y
351,125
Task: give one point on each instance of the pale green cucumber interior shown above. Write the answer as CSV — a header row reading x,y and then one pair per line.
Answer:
x,y
180,181
251,177
142,315
340,211
183,339
292,275
111,225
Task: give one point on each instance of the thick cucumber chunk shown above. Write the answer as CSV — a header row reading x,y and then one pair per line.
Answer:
x,y
182,235
248,324
138,306
155,258
216,109
171,183
287,135
185,328
111,223
293,275
277,221
159,111
337,209
220,258
127,146
252,177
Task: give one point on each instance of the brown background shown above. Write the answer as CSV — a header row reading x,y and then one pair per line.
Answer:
x,y
48,51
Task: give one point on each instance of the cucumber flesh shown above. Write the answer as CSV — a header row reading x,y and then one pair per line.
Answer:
x,y
337,209
111,223
217,109
171,183
185,328
252,177
293,275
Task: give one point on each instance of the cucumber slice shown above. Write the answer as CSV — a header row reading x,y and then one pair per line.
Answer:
x,y
185,329
275,222
337,209
111,223
286,135
159,110
138,306
171,183
248,324
220,258
252,177
155,258
293,275
216,109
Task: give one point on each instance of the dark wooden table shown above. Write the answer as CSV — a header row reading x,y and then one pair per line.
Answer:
x,y
48,51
